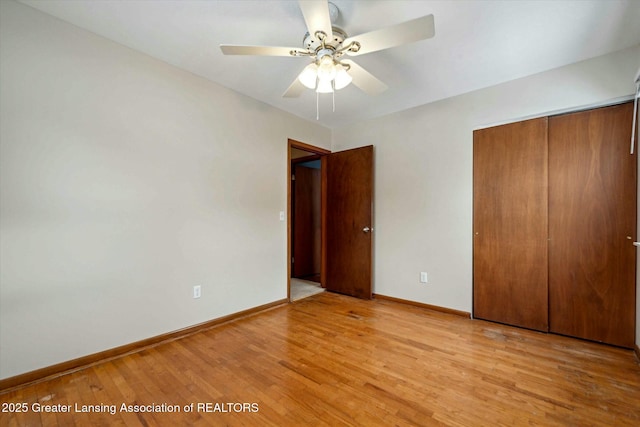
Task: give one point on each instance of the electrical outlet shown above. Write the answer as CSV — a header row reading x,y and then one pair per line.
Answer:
x,y
197,291
423,277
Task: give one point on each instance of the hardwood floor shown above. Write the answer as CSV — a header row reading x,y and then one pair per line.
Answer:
x,y
334,360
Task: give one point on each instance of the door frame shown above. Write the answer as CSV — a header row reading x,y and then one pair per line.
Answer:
x,y
311,149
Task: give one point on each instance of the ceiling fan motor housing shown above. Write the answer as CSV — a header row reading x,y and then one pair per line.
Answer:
x,y
313,43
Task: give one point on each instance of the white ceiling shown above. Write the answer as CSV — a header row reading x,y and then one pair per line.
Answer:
x,y
477,43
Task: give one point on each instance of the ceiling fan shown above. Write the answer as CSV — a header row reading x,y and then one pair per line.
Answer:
x,y
326,45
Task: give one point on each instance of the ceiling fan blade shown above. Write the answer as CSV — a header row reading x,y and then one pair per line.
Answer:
x,y
295,89
364,80
316,16
395,35
229,49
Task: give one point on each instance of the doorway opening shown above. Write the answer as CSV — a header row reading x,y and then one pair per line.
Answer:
x,y
306,220
346,220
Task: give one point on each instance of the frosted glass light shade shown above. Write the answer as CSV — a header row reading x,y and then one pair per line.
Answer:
x,y
326,69
324,86
309,75
342,78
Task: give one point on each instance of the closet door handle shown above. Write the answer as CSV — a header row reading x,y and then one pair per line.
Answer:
x,y
366,229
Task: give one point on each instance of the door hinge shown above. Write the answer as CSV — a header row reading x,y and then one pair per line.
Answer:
x,y
292,260
293,177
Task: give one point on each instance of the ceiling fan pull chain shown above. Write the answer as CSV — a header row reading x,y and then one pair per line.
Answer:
x,y
317,106
333,94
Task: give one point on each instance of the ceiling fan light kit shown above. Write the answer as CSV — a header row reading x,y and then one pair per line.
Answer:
x,y
326,73
326,45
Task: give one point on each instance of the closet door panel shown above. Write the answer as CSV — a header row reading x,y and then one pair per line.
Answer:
x,y
592,224
510,224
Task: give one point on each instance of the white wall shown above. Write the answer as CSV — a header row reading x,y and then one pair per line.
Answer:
x,y
423,172
125,182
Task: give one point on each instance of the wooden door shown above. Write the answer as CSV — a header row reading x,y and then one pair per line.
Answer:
x,y
306,222
348,177
592,208
510,224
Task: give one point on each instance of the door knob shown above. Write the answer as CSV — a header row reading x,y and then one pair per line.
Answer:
x,y
366,229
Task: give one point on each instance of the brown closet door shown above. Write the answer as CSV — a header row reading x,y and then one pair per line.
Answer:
x,y
510,224
592,224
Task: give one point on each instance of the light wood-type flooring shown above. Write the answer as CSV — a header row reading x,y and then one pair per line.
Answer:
x,y
334,360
